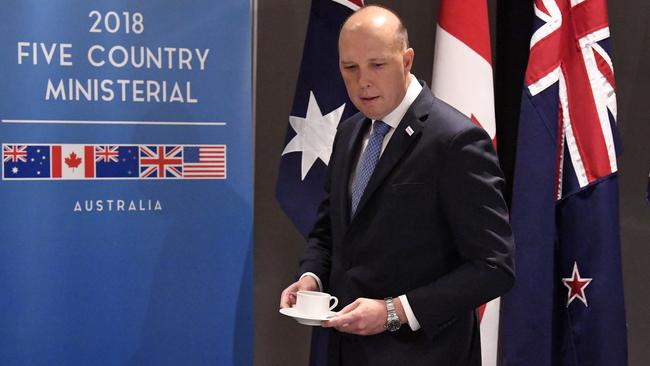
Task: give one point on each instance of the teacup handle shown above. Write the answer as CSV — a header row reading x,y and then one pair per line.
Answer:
x,y
336,302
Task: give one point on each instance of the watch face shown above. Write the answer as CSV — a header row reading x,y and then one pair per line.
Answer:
x,y
392,324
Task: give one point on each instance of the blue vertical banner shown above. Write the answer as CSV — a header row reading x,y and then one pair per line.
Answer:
x,y
126,184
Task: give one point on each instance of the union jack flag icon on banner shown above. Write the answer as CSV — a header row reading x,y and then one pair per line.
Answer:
x,y
88,162
161,161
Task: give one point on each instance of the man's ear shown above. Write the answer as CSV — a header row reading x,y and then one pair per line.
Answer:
x,y
407,59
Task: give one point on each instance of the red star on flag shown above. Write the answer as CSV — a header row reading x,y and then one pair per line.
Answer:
x,y
576,286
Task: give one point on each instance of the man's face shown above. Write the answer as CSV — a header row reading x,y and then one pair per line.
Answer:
x,y
374,69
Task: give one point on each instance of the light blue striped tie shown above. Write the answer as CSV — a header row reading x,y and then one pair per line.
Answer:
x,y
369,159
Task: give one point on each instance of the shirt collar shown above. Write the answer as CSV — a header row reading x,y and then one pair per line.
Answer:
x,y
395,116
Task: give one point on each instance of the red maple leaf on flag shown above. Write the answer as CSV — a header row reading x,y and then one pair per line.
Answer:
x,y
72,161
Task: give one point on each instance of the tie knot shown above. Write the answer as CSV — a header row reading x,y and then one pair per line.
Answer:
x,y
380,128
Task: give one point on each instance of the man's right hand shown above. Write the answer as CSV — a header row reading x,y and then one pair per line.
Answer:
x,y
288,297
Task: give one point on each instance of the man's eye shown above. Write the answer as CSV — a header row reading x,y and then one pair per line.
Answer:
x,y
349,67
378,64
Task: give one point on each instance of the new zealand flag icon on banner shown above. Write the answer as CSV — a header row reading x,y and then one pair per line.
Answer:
x,y
116,161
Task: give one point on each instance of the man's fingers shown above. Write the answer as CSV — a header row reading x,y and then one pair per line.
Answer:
x,y
363,317
349,323
288,296
343,319
287,300
350,307
345,316
284,301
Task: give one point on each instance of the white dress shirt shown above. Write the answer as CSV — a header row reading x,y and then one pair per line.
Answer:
x,y
392,119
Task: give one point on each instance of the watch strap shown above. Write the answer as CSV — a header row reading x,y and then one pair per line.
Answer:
x,y
393,322
390,306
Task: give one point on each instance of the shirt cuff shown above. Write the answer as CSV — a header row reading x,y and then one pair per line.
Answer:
x,y
313,275
413,322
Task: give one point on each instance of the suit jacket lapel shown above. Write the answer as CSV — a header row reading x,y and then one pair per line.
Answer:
x,y
399,143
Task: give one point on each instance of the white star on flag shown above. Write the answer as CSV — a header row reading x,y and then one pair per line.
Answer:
x,y
576,286
314,134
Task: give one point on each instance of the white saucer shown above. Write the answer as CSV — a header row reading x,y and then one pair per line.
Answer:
x,y
306,319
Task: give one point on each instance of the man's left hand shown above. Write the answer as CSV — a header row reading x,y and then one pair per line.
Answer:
x,y
362,317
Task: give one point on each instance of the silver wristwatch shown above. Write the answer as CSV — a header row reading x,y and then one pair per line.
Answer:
x,y
392,321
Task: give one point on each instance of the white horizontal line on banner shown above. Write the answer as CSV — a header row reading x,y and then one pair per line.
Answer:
x,y
68,122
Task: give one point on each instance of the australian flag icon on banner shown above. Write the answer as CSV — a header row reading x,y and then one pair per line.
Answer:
x,y
26,161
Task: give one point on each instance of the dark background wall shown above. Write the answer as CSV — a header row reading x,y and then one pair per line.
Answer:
x,y
281,26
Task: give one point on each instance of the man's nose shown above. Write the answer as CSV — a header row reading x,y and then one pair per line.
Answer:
x,y
364,79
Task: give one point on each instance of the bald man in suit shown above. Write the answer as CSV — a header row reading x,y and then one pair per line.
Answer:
x,y
414,229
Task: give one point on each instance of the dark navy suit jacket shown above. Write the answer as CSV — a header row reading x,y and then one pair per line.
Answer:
x,y
432,224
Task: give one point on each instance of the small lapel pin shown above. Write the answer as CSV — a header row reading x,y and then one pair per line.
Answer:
x,y
409,130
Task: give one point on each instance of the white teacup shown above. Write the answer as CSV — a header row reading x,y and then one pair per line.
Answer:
x,y
314,303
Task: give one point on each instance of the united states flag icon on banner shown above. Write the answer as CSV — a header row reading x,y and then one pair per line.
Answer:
x,y
204,161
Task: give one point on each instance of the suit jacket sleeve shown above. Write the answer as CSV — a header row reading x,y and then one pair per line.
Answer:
x,y
317,257
470,196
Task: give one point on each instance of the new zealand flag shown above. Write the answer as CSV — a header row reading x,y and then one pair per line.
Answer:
x,y
319,104
566,308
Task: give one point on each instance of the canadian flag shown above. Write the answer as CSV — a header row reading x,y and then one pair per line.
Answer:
x,y
462,64
73,161
462,77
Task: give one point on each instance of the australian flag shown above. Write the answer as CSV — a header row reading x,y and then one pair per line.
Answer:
x,y
567,308
319,104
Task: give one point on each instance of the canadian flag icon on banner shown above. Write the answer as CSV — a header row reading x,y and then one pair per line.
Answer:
x,y
73,161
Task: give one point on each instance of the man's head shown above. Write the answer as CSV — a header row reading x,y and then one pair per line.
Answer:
x,y
375,60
